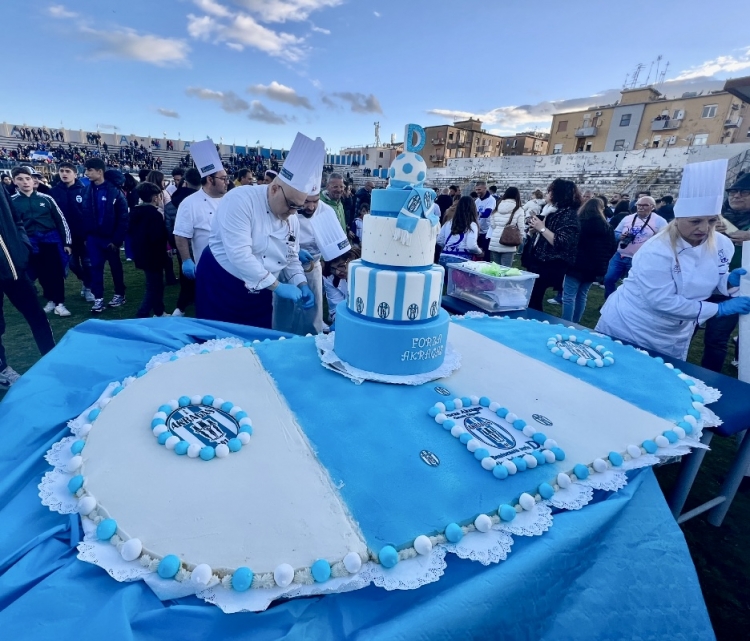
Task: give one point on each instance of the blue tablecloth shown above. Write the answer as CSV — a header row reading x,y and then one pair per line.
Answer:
x,y
618,569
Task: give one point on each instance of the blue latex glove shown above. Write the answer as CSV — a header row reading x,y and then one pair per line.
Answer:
x,y
188,268
307,299
290,292
734,277
305,256
739,305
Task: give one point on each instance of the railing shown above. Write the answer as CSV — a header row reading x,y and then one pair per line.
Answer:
x,y
438,141
733,123
664,125
586,132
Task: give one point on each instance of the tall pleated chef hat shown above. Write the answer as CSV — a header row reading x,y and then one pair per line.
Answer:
x,y
303,167
329,236
205,157
701,189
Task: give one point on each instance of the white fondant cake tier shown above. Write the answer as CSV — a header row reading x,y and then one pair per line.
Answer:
x,y
395,295
381,248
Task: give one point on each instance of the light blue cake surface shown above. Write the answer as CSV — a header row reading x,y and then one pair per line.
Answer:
x,y
370,436
388,202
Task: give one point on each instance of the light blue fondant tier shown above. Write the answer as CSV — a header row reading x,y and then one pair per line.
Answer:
x,y
388,202
389,348
395,295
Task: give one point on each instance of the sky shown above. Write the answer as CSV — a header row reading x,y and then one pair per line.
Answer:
x,y
243,71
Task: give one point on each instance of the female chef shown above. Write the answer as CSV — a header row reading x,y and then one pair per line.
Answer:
x,y
664,297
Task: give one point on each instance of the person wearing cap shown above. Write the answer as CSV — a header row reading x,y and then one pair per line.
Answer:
x,y
674,273
253,248
269,176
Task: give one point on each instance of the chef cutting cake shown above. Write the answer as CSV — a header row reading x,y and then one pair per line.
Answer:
x,y
253,248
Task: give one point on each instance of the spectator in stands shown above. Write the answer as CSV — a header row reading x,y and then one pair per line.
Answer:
x,y
359,222
177,174
49,235
534,206
451,211
16,285
363,195
608,211
493,191
149,237
596,244
68,194
8,185
332,196
485,204
552,247
444,201
245,177
631,233
586,196
349,200
40,185
666,211
105,213
458,238
507,225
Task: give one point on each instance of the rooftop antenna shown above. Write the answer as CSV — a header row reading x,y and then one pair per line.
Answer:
x,y
638,68
658,64
377,133
625,84
663,73
649,74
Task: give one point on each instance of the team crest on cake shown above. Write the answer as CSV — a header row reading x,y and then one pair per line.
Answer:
x,y
202,424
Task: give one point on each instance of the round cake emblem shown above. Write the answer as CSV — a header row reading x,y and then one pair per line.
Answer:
x,y
203,424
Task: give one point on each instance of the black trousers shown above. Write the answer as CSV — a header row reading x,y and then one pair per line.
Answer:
x,y
716,337
551,274
187,292
80,264
48,266
153,297
22,295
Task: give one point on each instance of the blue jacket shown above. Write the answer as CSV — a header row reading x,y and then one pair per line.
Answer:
x,y
105,212
70,201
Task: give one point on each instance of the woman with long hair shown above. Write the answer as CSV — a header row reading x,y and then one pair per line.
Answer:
x,y
596,244
457,238
553,243
508,225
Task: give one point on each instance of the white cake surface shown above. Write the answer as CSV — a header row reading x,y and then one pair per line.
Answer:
x,y
268,504
379,245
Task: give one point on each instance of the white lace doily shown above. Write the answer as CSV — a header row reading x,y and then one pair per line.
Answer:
x,y
329,359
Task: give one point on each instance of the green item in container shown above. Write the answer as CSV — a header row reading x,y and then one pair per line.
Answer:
x,y
499,271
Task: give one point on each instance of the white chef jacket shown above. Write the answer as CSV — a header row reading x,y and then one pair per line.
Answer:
x,y
252,244
193,220
662,299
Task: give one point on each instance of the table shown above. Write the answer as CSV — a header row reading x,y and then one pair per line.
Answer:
x,y
574,581
733,408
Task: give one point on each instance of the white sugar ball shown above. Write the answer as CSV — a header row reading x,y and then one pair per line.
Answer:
x,y
473,445
661,441
483,523
246,421
104,402
511,417
173,404
131,549
548,456
572,338
74,463
549,444
598,362
218,402
196,400
698,405
581,361
588,341
599,465
510,466
201,574
633,450
159,430
85,429
679,431
531,462
458,403
489,463
423,545
353,562
669,365
494,406
457,430
194,450
161,415
688,418
86,505
171,442
440,407
283,575
441,418
529,431
474,400
526,501
563,480
222,450
244,438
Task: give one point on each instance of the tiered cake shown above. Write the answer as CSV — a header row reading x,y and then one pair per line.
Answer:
x,y
392,322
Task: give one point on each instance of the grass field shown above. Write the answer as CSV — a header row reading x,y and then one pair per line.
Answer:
x,y
721,555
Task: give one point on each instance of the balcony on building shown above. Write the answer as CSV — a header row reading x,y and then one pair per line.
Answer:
x,y
664,124
438,141
733,123
586,132
437,158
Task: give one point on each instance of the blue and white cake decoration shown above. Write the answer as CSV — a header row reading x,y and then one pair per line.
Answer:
x,y
202,427
583,353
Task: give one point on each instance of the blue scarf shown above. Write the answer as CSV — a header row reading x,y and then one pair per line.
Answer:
x,y
418,205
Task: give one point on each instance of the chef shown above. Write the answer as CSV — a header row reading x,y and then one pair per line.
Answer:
x,y
320,237
664,297
253,248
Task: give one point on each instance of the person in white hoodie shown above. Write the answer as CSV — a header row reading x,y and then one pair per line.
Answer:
x,y
508,215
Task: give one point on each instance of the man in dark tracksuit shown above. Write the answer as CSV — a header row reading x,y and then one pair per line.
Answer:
x,y
15,284
68,195
105,213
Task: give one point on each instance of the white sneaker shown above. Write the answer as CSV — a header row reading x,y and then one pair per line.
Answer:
x,y
177,312
61,310
8,376
88,295
49,307
553,301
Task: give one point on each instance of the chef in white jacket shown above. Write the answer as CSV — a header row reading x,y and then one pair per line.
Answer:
x,y
253,248
664,296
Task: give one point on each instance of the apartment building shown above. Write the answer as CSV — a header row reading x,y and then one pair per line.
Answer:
x,y
462,139
527,143
644,118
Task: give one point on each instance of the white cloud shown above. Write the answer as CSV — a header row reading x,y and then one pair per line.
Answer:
x,y
281,93
719,65
285,10
213,7
259,112
229,101
131,45
169,113
59,11
358,102
376,14
325,32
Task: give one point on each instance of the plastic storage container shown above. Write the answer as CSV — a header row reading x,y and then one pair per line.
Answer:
x,y
491,293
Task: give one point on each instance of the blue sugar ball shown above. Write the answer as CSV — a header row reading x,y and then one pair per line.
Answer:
x,y
649,446
207,400
407,168
204,351
247,428
615,458
520,464
433,411
500,472
694,413
77,446
465,438
207,453
75,484
481,453
697,397
539,437
163,437
240,415
689,382
539,457
117,390
519,424
183,401
591,363
449,406
93,414
242,579
659,360
181,448
227,407
321,570
166,409
141,373
502,412
671,436
559,454
454,533
581,471
229,347
466,401
157,421
506,513
388,556
448,424
173,357
546,491
677,371
685,426
169,566
234,445
106,529
484,401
